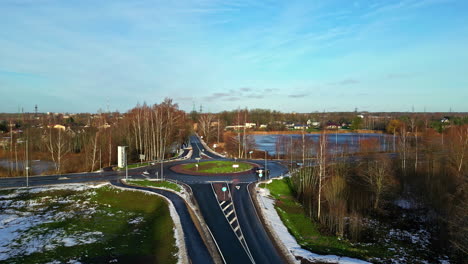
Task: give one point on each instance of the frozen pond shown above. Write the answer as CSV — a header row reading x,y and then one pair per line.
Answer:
x,y
338,142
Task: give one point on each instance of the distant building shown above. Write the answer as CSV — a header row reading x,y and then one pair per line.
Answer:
x,y
4,142
62,127
106,125
250,125
313,123
333,125
300,127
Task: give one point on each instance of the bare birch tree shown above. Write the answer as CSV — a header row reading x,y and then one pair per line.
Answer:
x,y
57,146
376,176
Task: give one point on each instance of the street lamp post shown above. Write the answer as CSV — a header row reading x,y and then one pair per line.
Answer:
x,y
126,163
162,169
291,150
27,165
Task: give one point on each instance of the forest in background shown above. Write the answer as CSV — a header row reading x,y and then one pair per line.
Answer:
x,y
84,142
428,165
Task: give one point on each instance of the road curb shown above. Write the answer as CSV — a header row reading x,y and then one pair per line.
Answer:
x,y
177,224
284,252
195,215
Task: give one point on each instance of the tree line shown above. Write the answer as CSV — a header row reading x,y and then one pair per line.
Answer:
x,y
427,166
155,131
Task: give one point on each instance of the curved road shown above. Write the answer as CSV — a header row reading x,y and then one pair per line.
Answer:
x,y
196,249
259,249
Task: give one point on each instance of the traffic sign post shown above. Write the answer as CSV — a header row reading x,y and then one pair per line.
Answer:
x,y
224,189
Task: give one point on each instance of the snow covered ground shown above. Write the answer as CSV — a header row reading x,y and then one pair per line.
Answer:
x,y
268,209
41,219
391,238
19,219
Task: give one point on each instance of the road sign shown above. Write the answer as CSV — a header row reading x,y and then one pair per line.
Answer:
x,y
142,156
235,165
121,156
260,175
237,187
224,189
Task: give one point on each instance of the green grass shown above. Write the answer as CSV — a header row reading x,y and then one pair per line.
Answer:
x,y
163,184
136,165
149,240
217,166
306,231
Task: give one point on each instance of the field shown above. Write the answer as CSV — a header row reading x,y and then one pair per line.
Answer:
x,y
214,167
160,184
391,243
83,223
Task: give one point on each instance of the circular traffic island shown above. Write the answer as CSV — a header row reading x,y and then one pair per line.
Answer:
x,y
214,167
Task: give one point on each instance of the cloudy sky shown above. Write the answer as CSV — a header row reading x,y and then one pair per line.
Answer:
x,y
303,56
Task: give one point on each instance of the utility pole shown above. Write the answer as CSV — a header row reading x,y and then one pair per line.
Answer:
x,y
126,163
291,150
27,165
162,169
100,160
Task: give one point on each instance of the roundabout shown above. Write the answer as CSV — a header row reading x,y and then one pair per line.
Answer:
x,y
215,167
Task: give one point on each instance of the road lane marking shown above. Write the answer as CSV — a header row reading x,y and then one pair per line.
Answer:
x,y
226,207
233,223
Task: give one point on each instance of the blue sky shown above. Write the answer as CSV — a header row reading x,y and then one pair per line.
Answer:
x,y
303,56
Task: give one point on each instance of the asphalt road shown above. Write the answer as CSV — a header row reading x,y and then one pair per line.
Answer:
x,y
260,248
231,249
260,245
196,249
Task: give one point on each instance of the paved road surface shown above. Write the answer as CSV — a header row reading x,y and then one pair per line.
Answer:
x,y
196,249
257,248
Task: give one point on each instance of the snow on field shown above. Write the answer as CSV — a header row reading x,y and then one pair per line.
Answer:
x,y
19,219
268,209
182,256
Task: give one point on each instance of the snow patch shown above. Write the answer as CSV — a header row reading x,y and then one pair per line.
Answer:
x,y
267,206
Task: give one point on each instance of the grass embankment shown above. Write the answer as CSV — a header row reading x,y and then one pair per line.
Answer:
x,y
160,184
306,231
93,226
217,166
135,165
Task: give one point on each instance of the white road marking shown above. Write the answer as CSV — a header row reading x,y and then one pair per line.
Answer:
x,y
232,211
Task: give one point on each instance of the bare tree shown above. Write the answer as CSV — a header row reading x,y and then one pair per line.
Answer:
x,y
57,146
403,147
204,126
376,177
322,163
94,148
